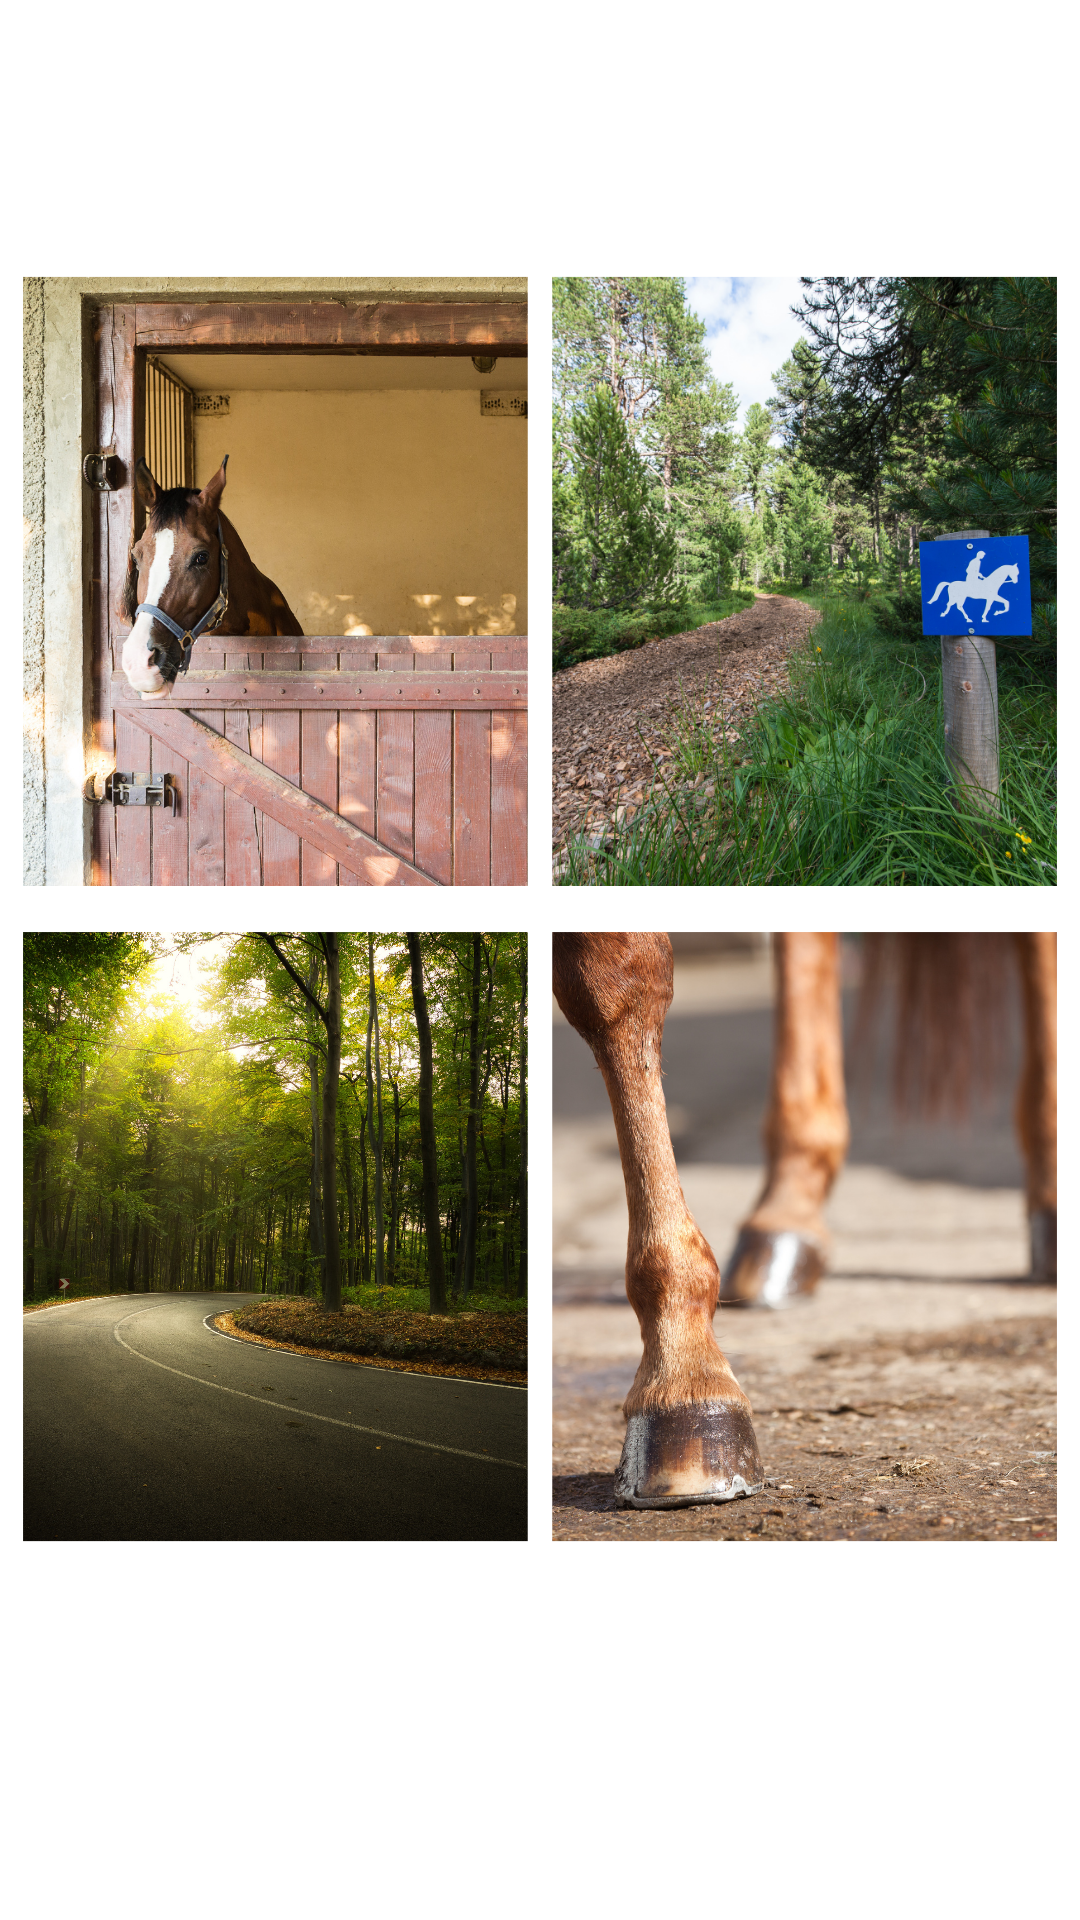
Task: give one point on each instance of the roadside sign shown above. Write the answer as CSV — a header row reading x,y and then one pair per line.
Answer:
x,y
64,1285
980,586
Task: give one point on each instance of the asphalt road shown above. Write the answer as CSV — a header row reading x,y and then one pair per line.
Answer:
x,y
142,1423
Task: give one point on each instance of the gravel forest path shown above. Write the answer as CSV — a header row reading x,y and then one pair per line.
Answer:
x,y
611,717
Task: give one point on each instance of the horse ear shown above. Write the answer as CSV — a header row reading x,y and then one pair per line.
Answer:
x,y
145,485
210,497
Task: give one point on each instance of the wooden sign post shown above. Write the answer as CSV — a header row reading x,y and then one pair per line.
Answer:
x,y
970,707
954,583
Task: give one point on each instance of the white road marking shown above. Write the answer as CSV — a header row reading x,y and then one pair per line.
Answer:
x,y
431,1446
135,659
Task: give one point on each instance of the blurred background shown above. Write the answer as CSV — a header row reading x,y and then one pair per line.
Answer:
x,y
916,1198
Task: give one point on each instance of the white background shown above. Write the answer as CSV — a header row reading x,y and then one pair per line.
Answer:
x,y
471,1728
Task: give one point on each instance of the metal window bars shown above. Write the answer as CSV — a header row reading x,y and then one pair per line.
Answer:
x,y
170,427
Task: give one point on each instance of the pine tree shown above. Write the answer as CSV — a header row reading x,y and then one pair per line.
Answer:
x,y
631,553
999,469
805,522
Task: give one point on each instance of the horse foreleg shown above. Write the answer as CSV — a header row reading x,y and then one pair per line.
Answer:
x,y
1036,1105
782,1247
689,1435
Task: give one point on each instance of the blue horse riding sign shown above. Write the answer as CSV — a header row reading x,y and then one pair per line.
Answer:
x,y
979,586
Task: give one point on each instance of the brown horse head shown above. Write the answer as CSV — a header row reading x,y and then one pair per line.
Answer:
x,y
174,568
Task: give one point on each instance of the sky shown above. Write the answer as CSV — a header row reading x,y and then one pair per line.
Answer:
x,y
751,331
180,978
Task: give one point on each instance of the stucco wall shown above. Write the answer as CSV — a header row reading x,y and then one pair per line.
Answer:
x,y
56,391
385,512
34,580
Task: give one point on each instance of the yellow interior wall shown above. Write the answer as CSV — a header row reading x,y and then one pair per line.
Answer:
x,y
383,512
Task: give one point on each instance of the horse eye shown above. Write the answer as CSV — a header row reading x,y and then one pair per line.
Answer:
x,y
201,560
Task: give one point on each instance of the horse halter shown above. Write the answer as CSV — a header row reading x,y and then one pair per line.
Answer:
x,y
210,620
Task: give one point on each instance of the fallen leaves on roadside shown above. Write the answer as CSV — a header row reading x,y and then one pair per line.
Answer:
x,y
488,1346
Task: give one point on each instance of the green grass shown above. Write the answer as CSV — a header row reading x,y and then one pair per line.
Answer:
x,y
583,633
844,782
79,1290
390,1300
415,1300
58,1300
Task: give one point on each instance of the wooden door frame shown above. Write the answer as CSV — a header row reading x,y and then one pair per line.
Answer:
x,y
124,333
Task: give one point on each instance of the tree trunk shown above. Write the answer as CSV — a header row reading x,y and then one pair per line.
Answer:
x,y
331,1078
130,1283
350,1195
267,1242
523,1126
316,1237
114,1246
31,1230
365,1211
395,1168
375,1136
429,1158
467,1245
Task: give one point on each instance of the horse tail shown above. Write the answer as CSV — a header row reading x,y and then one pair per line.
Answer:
x,y
940,588
954,999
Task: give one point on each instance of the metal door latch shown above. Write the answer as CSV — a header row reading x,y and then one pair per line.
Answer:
x,y
101,471
127,790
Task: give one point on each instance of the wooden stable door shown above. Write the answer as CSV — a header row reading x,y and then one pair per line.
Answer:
x,y
317,762
321,760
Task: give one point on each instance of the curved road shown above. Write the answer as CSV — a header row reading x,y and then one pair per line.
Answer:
x,y
143,1423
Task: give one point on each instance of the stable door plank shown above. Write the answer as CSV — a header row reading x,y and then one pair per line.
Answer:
x,y
206,811
472,799
279,748
433,736
509,800
132,866
169,831
319,763
243,853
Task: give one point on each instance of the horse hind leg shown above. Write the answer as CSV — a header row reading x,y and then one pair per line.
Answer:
x,y
782,1247
1036,1105
689,1434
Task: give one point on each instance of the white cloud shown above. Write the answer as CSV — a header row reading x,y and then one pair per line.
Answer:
x,y
751,331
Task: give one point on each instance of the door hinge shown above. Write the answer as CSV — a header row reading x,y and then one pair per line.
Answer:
x,y
102,471
127,790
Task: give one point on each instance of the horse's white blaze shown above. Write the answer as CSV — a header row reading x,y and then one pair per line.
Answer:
x,y
142,676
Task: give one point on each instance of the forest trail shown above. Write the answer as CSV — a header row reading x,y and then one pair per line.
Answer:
x,y
610,717
143,1424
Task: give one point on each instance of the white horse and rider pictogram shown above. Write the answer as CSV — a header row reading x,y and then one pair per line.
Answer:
x,y
974,587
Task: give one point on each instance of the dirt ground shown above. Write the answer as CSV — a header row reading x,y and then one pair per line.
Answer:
x,y
611,717
911,1398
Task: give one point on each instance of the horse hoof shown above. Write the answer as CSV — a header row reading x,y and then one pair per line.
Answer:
x,y
689,1456
1043,1226
769,1269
